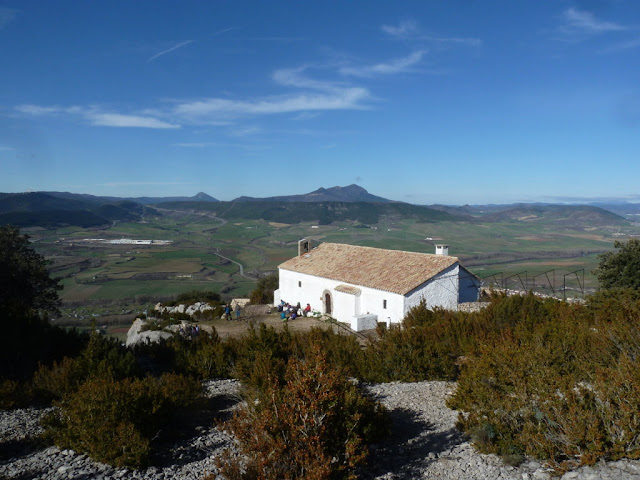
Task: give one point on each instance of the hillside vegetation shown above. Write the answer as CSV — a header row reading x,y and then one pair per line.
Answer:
x,y
559,214
43,210
322,212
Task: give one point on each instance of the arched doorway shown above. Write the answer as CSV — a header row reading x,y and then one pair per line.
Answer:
x,y
327,303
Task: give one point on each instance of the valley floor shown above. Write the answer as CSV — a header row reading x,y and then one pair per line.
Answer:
x,y
424,444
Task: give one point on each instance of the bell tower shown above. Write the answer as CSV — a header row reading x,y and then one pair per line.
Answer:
x,y
304,246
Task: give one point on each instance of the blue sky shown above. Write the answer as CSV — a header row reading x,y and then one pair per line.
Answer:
x,y
459,101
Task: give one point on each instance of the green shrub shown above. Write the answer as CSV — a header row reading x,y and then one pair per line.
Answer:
x,y
204,356
427,345
59,379
114,421
409,355
194,296
263,293
561,384
620,269
101,357
344,350
314,425
262,353
14,394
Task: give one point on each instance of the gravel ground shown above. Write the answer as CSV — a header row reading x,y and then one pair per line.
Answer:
x,y
423,444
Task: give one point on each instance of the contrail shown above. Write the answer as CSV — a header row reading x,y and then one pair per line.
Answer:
x,y
164,52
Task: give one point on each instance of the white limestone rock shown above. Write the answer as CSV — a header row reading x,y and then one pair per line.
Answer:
x,y
135,336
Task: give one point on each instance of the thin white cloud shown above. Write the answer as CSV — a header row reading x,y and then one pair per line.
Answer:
x,y
635,43
4,148
315,96
119,120
224,30
399,65
404,29
96,116
343,99
38,110
245,131
581,21
306,115
293,77
466,41
307,96
410,30
169,50
7,15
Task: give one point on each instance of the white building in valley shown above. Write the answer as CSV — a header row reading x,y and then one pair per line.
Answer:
x,y
364,285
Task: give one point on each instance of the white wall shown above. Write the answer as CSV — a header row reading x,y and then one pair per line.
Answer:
x,y
440,291
345,306
469,286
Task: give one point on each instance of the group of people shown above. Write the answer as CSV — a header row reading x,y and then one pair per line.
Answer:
x,y
229,312
189,330
291,312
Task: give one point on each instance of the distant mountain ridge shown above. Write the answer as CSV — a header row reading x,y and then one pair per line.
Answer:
x,y
44,210
199,197
350,193
51,209
620,208
561,214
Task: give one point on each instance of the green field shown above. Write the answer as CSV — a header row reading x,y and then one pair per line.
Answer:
x,y
205,248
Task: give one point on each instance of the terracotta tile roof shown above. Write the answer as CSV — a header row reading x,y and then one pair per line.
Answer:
x,y
388,270
348,289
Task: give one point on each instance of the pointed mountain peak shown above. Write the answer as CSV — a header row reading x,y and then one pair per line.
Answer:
x,y
203,197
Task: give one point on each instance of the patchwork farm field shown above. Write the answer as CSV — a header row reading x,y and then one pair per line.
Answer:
x,y
228,255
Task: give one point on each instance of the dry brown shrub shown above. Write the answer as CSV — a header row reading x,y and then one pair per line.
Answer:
x,y
314,426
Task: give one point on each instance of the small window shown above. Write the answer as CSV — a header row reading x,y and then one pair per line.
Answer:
x,y
384,304
299,284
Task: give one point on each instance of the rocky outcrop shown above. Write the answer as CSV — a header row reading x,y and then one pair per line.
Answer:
x,y
243,302
136,336
198,307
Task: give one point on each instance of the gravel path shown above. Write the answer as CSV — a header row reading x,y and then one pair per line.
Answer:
x,y
423,444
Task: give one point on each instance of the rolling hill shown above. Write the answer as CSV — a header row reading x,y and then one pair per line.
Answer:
x,y
570,215
321,212
199,197
44,210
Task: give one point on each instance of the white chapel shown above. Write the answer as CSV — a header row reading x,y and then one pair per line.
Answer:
x,y
364,285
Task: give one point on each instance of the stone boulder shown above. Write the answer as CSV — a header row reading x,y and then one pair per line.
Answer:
x,y
135,336
198,307
189,310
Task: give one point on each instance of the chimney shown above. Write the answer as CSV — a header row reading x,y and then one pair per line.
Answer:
x,y
442,249
304,246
